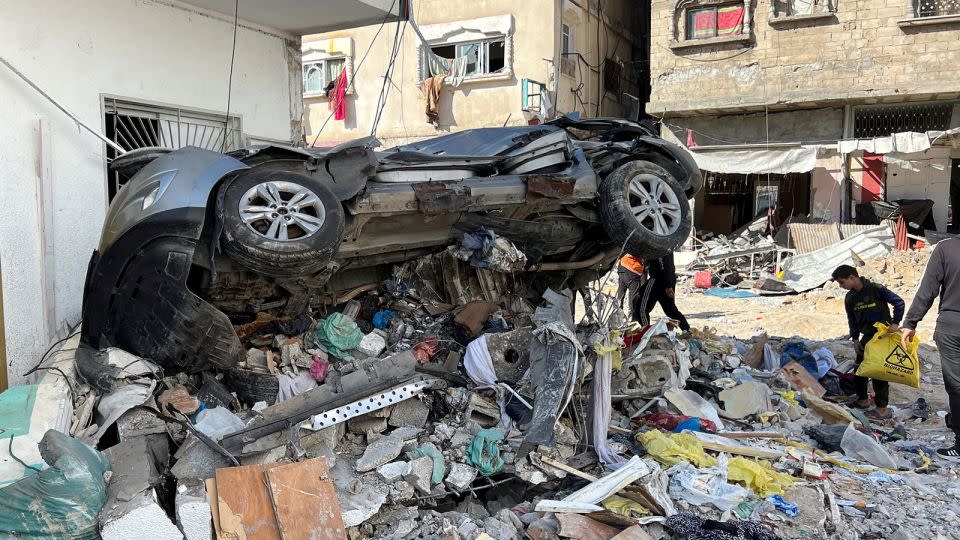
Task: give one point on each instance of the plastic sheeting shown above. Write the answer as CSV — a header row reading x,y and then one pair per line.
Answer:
x,y
62,501
811,270
797,159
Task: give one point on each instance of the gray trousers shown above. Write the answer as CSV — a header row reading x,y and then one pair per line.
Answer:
x,y
949,347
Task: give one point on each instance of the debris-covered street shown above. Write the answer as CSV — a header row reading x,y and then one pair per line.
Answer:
x,y
497,270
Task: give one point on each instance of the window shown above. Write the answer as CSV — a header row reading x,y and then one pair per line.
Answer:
x,y
138,125
885,120
802,8
936,8
317,75
481,57
567,46
715,21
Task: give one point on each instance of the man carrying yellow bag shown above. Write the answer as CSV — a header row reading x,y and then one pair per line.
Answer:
x,y
867,304
942,277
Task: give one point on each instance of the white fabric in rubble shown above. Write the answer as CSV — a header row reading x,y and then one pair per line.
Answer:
x,y
479,366
798,159
294,386
600,417
113,405
658,328
705,486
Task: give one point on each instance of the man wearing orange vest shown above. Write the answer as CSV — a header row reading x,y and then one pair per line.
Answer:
x,y
648,283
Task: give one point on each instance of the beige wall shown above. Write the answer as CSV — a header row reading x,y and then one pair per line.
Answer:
x,y
859,54
536,43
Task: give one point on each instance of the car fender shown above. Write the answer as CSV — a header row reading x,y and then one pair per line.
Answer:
x,y
182,179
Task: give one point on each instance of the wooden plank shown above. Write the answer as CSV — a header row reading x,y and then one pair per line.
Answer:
x,y
741,450
211,485
246,512
568,469
304,501
752,435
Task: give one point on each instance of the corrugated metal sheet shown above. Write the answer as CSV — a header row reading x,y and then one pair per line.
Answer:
x,y
809,237
810,270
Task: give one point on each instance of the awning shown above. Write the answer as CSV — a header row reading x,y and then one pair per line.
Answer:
x,y
756,160
302,17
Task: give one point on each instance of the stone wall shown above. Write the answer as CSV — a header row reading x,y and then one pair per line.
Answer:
x,y
865,52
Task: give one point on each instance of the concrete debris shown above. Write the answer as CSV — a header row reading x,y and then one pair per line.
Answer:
x,y
705,430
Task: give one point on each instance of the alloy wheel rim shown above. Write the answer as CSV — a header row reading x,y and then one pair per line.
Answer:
x,y
654,205
282,211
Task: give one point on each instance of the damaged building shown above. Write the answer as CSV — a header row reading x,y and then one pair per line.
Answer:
x,y
816,109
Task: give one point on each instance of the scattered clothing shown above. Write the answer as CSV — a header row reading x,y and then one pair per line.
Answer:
x,y
338,334
484,452
381,319
693,527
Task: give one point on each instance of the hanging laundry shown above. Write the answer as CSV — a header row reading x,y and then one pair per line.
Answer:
x,y
431,92
338,101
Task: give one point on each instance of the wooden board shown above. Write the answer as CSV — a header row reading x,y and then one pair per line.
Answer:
x,y
246,512
304,501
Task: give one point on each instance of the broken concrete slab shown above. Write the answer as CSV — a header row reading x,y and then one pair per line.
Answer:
x,y
361,425
359,500
381,451
461,476
421,472
193,512
132,505
391,472
409,413
197,461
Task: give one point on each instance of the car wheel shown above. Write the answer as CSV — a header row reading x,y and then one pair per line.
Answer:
x,y
644,209
279,223
252,387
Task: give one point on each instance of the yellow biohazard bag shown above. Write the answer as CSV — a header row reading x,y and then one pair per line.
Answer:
x,y
885,359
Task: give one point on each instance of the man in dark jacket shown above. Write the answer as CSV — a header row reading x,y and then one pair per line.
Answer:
x,y
942,278
868,303
659,288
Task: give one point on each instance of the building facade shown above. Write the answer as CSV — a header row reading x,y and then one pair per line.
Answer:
x,y
519,62
142,73
818,107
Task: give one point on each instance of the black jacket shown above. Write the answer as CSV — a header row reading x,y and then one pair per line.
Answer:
x,y
941,278
662,271
871,304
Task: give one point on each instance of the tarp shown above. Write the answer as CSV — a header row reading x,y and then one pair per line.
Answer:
x,y
797,159
810,270
906,142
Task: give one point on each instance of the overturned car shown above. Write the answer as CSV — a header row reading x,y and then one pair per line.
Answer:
x,y
197,241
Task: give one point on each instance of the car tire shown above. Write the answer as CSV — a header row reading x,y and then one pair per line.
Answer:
x,y
279,223
691,184
661,223
252,387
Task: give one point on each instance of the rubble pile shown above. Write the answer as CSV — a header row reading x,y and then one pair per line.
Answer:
x,y
419,409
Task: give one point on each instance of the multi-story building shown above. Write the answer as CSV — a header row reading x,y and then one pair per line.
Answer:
x,y
519,62
816,106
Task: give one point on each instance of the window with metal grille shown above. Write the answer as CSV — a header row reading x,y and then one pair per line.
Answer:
x,y
935,8
886,120
135,125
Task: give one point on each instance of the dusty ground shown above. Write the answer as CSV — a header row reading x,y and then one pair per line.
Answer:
x,y
819,315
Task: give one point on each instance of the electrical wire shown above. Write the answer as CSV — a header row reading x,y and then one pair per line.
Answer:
x,y
388,77
43,357
233,57
356,70
18,460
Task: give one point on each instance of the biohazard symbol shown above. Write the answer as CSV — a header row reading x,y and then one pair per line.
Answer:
x,y
899,358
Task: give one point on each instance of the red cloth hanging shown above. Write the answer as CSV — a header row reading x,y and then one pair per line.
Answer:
x,y
337,101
